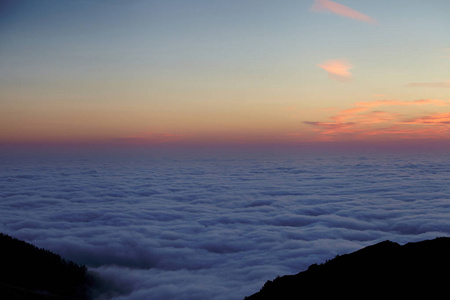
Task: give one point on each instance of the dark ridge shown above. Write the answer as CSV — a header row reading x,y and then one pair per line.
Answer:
x,y
28,272
385,270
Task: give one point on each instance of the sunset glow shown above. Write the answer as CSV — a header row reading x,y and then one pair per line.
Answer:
x,y
158,73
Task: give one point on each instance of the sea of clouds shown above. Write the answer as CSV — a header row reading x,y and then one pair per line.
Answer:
x,y
218,227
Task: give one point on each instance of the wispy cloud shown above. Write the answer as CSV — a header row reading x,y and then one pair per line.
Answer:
x,y
436,102
342,10
338,69
444,84
435,119
368,120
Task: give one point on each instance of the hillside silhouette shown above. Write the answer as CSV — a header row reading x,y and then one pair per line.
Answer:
x,y
29,272
385,270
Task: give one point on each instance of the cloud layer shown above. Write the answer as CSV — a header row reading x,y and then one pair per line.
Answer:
x,y
342,10
214,228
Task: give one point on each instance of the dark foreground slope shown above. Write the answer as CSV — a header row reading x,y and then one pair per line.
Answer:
x,y
385,270
28,272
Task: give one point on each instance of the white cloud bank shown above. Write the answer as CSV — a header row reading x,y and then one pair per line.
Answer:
x,y
218,229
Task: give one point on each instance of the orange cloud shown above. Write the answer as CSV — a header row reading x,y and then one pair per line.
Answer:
x,y
364,121
337,69
342,10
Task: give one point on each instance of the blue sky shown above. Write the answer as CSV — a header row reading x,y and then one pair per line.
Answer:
x,y
96,71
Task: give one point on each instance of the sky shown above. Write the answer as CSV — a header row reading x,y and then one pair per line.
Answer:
x,y
224,72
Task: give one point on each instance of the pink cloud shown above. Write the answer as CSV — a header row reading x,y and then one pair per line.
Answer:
x,y
366,120
338,69
342,10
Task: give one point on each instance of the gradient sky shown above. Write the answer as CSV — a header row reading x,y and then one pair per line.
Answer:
x,y
202,71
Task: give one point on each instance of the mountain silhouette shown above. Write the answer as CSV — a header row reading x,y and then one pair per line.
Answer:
x,y
385,270
29,272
